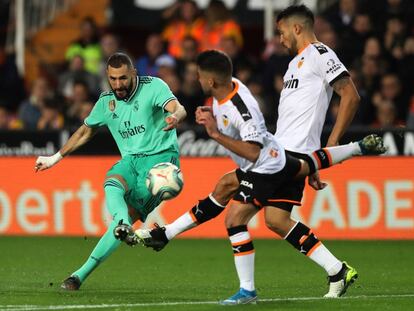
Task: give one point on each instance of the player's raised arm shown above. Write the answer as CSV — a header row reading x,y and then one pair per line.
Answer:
x,y
79,138
178,114
348,105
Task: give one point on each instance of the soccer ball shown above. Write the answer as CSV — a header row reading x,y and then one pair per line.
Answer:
x,y
164,180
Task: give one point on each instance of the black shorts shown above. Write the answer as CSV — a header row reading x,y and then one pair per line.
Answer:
x,y
265,189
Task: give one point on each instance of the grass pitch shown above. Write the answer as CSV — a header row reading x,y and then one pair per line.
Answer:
x,y
195,274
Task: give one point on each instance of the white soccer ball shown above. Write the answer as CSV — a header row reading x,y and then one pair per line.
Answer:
x,y
165,181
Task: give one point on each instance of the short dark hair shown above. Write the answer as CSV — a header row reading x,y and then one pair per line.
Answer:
x,y
116,60
297,10
216,62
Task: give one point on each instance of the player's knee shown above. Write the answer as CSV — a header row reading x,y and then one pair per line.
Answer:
x,y
276,226
226,188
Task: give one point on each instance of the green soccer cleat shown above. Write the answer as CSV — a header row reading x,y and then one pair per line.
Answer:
x,y
242,297
372,145
339,283
71,283
125,233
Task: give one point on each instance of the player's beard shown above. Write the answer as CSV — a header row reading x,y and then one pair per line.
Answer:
x,y
293,50
128,90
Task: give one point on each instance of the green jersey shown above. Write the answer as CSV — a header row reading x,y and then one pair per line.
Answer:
x,y
136,122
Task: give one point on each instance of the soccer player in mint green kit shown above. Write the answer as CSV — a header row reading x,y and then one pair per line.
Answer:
x,y
141,113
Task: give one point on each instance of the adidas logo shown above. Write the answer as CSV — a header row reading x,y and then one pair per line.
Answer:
x,y
114,116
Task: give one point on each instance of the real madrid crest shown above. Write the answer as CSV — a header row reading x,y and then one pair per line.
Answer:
x,y
112,105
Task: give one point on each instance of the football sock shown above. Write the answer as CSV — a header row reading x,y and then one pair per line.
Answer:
x,y
243,251
326,157
204,211
114,194
303,239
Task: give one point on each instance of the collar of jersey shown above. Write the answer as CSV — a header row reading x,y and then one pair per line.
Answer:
x,y
135,90
304,48
231,94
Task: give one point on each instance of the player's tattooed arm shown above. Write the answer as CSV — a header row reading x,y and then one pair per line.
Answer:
x,y
348,106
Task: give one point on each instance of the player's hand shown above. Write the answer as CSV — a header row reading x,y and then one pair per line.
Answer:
x,y
315,182
204,116
43,163
172,123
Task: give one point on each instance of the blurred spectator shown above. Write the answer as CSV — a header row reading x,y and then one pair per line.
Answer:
x,y
184,21
392,92
190,95
189,48
50,118
394,37
11,85
87,46
239,59
406,64
8,121
341,14
173,82
154,48
30,109
110,44
166,66
77,104
77,72
218,24
276,60
386,116
410,119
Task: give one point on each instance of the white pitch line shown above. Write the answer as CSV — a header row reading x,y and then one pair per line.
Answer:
x,y
154,304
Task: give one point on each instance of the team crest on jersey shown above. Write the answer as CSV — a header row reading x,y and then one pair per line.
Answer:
x,y
136,106
300,63
225,120
273,153
112,105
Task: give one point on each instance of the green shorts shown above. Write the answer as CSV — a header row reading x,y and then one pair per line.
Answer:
x,y
134,169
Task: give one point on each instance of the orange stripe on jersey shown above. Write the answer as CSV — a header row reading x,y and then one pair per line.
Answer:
x,y
241,242
317,160
286,201
244,253
329,156
302,49
232,93
313,248
192,216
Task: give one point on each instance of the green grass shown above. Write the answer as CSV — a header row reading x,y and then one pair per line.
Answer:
x,y
31,270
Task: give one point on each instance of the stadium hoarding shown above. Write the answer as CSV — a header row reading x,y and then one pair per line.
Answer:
x,y
367,198
193,142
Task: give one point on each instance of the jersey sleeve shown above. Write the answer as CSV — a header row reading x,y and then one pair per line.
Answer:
x,y
330,68
248,127
163,94
96,118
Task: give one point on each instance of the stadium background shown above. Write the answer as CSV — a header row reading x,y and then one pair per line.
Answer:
x,y
51,219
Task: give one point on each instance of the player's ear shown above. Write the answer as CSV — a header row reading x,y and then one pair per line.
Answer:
x,y
297,29
134,71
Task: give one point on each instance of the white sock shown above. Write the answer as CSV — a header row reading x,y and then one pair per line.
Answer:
x,y
244,262
335,154
181,224
323,257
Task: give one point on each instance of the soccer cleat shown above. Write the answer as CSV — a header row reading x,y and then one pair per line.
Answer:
x,y
372,145
339,283
242,297
71,283
154,238
125,233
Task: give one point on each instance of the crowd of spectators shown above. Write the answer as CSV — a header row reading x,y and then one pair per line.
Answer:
x,y
374,39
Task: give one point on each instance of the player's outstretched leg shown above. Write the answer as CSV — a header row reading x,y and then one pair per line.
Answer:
x,y
158,237
338,284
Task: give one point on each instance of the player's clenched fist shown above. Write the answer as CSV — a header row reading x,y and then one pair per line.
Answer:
x,y
43,163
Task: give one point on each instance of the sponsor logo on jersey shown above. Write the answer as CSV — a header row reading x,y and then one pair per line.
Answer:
x,y
300,63
112,105
131,131
245,196
320,47
291,83
334,68
246,184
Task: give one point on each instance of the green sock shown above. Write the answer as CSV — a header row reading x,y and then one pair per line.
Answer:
x,y
115,203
